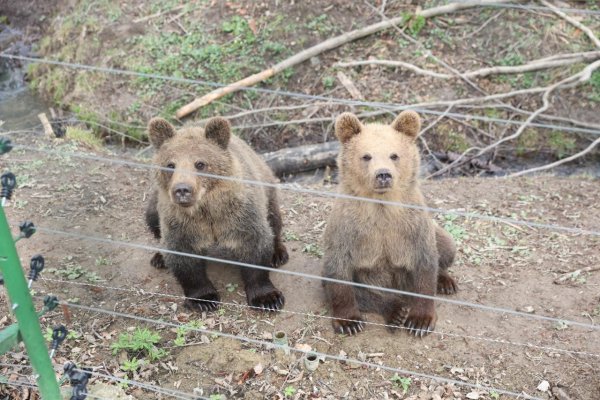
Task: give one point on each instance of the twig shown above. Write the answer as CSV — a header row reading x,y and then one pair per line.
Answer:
x,y
158,14
483,72
322,47
573,22
486,23
574,274
573,80
559,162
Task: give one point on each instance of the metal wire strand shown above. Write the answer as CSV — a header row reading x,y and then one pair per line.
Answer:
x,y
384,106
334,195
312,315
320,278
319,354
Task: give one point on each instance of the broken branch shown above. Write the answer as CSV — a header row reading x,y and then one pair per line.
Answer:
x,y
322,47
536,65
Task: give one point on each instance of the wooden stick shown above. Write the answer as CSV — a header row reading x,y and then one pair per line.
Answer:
x,y
573,22
322,47
534,65
46,124
576,273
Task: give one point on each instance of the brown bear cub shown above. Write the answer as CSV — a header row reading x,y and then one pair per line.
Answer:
x,y
382,244
207,216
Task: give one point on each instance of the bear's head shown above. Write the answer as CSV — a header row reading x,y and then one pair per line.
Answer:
x,y
378,160
189,151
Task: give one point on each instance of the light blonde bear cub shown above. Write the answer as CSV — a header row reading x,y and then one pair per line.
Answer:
x,y
381,244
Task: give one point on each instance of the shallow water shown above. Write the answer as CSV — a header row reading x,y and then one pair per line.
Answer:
x,y
19,105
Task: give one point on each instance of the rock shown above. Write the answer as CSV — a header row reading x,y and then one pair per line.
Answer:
x,y
105,391
473,395
543,386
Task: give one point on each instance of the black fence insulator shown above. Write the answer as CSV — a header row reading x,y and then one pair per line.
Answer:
x,y
59,334
78,379
36,266
5,145
27,228
8,181
50,302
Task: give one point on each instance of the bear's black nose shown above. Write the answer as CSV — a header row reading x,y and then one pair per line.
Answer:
x,y
182,192
383,177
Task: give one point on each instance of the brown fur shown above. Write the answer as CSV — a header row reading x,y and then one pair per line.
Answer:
x,y
213,217
384,245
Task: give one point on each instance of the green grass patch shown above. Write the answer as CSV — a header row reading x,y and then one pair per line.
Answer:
x,y
85,137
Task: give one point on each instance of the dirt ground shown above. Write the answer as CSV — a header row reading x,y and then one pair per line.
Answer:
x,y
500,265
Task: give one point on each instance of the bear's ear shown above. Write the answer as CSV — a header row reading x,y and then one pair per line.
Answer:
x,y
159,131
218,130
408,123
347,126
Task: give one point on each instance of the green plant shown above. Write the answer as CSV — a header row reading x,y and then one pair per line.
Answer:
x,y
313,249
328,82
416,24
290,236
131,365
231,287
141,342
183,330
494,395
289,391
401,381
458,232
216,397
560,144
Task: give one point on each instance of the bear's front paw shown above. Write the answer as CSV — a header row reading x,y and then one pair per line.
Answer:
x,y
421,320
349,326
158,261
207,302
270,300
280,256
446,284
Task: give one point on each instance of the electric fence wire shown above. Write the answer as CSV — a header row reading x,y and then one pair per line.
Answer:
x,y
153,388
385,106
335,195
312,315
320,278
302,351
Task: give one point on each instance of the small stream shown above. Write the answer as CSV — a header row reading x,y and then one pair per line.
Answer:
x,y
20,106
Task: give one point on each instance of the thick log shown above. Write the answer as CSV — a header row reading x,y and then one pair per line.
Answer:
x,y
302,158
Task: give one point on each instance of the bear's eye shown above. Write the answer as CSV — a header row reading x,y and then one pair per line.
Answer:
x,y
367,157
170,165
394,157
200,165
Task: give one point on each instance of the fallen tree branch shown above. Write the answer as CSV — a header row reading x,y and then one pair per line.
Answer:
x,y
571,81
559,162
302,158
535,65
573,22
322,47
572,275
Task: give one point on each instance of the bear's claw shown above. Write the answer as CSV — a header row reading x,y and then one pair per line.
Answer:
x,y
350,326
398,318
446,284
209,302
270,301
158,261
420,323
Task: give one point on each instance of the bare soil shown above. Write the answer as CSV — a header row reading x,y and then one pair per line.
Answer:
x,y
500,265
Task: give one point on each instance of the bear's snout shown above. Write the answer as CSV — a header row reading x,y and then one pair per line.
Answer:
x,y
383,179
183,194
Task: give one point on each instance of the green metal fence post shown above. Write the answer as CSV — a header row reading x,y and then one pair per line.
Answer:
x,y
27,318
